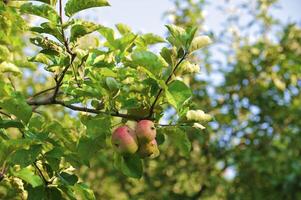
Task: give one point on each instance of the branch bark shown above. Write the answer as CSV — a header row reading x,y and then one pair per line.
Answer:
x,y
50,101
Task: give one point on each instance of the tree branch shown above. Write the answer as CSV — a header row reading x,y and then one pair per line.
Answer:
x,y
151,111
63,32
42,92
60,79
50,101
40,173
7,115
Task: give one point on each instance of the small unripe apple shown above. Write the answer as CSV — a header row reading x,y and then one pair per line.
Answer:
x,y
149,149
145,131
124,140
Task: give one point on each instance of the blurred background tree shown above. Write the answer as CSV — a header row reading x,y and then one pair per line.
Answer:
x,y
256,105
250,77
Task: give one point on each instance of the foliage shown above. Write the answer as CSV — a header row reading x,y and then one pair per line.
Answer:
x,y
257,129
48,136
87,79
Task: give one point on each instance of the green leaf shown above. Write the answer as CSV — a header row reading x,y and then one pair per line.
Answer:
x,y
180,140
50,29
4,53
130,104
69,179
61,134
24,157
143,41
101,59
54,157
5,89
149,60
47,44
120,44
81,28
123,29
51,2
27,175
107,33
83,191
74,6
124,42
37,193
42,10
97,126
178,93
9,67
112,84
168,55
44,193
54,193
41,58
177,35
129,165
176,31
180,37
7,147
68,191
107,72
44,1
84,148
199,42
190,34
16,105
10,123
151,38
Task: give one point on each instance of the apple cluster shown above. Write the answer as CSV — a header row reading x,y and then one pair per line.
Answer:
x,y
142,140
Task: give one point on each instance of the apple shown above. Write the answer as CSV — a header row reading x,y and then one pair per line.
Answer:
x,y
145,131
124,140
149,149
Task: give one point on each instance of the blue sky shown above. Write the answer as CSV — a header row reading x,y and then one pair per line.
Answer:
x,y
147,15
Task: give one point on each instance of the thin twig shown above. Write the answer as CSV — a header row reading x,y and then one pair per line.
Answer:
x,y
42,92
75,76
40,173
63,32
172,125
7,115
50,101
60,79
151,111
11,82
83,60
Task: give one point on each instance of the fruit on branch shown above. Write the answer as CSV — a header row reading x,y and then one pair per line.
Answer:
x,y
145,131
149,149
124,140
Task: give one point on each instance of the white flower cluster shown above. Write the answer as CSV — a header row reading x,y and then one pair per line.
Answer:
x,y
199,126
187,67
192,68
200,42
198,115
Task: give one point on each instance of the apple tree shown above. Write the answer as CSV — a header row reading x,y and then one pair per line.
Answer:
x,y
81,89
